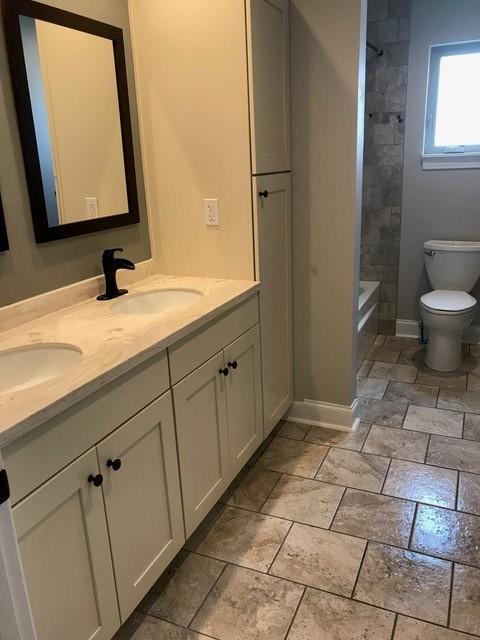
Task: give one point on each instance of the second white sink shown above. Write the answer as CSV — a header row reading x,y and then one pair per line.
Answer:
x,y
30,365
157,301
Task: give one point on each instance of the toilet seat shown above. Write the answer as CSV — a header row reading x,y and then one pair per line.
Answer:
x,y
446,302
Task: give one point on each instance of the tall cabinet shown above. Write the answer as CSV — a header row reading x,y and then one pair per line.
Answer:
x,y
214,110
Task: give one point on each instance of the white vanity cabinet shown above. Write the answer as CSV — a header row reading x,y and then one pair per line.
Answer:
x,y
268,65
218,408
142,500
63,539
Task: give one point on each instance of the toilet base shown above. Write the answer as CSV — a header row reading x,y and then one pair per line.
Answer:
x,y
444,350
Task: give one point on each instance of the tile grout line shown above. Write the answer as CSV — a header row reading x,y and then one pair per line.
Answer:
x,y
414,522
450,595
394,629
296,611
267,572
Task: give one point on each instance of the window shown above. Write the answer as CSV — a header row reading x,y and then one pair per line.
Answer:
x,y
452,124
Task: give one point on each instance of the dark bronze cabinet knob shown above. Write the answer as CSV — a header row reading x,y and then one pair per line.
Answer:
x,y
114,464
233,365
263,194
223,372
96,480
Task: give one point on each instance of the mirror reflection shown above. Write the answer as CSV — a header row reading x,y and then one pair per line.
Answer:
x,y
73,92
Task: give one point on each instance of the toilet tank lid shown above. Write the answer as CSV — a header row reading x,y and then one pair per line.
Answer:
x,y
445,300
452,245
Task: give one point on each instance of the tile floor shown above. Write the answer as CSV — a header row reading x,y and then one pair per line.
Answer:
x,y
372,535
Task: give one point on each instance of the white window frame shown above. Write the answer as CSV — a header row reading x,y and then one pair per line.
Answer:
x,y
435,157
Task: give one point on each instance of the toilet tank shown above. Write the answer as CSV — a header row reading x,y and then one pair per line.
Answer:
x,y
452,265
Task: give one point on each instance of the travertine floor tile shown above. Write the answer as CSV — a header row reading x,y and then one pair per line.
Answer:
x,y
447,534
410,629
371,388
295,458
246,605
245,538
458,454
302,500
396,443
254,489
471,429
399,372
179,599
419,394
469,493
465,614
293,430
204,527
382,412
448,380
323,616
141,627
399,342
383,354
353,469
421,482
413,355
458,400
438,421
473,382
407,582
379,340
319,558
376,517
364,368
352,440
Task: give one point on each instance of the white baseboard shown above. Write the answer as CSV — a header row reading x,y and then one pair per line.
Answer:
x,y
410,329
325,414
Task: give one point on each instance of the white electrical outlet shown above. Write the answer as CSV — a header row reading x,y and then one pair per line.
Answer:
x,y
91,205
212,218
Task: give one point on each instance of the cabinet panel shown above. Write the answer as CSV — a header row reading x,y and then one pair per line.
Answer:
x,y
63,540
244,398
269,60
201,417
142,500
273,255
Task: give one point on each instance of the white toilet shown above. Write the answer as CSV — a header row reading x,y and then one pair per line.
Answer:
x,y
453,269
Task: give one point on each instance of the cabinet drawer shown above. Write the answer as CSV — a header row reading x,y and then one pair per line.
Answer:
x,y
37,456
191,352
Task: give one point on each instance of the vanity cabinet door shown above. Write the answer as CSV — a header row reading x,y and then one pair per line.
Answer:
x,y
63,540
273,267
268,57
244,398
142,500
201,418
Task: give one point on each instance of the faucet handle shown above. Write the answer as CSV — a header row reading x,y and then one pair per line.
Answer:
x,y
109,254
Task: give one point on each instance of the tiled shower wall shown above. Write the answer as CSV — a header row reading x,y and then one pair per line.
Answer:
x,y
385,106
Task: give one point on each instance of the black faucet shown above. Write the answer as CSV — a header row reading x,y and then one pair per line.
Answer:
x,y
110,266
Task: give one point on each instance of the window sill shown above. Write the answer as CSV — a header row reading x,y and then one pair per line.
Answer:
x,y
450,161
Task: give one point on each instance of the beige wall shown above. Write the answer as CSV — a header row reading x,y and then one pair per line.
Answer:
x,y
78,71
437,205
28,268
191,72
328,51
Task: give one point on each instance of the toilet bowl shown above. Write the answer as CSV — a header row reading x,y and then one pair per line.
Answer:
x,y
446,314
453,268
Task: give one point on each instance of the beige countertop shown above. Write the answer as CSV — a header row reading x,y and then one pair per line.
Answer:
x,y
111,344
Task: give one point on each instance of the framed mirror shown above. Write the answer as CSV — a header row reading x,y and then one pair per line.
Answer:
x,y
70,86
3,230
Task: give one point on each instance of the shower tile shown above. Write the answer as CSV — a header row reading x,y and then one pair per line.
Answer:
x,y
399,372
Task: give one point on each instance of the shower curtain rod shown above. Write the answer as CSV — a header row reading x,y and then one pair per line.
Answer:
x,y
377,50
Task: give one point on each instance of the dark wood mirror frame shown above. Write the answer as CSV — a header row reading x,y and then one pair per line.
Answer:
x,y
12,10
3,231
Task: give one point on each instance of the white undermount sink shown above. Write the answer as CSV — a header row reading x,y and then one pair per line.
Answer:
x,y
27,366
157,301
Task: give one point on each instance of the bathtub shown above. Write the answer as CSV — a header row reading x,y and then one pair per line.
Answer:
x,y
368,297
